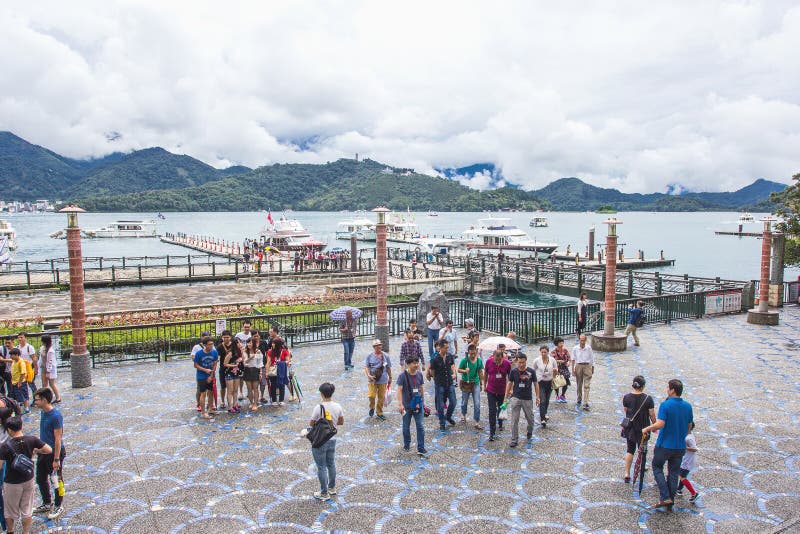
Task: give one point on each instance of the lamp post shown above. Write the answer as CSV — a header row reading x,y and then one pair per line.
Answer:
x,y
762,315
382,323
607,340
80,362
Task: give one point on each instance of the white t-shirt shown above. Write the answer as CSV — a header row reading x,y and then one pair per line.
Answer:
x,y
47,362
437,323
197,348
333,408
27,352
583,355
690,457
544,372
244,338
257,361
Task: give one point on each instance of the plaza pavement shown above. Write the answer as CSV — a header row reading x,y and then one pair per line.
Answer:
x,y
140,460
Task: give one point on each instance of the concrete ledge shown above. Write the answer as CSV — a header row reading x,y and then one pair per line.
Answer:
x,y
612,343
769,318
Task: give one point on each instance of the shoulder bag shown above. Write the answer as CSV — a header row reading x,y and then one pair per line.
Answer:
x,y
21,463
467,386
626,422
322,431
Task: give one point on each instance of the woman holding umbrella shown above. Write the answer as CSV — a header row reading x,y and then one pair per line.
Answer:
x,y
347,317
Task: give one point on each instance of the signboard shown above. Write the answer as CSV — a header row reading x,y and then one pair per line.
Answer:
x,y
723,302
221,326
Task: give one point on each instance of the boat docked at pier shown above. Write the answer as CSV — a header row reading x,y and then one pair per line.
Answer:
x,y
361,227
401,228
118,229
288,235
495,234
8,233
539,222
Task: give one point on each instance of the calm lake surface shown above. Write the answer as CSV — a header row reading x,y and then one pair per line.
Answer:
x,y
687,237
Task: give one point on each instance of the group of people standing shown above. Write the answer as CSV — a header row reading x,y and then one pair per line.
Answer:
x,y
239,361
22,364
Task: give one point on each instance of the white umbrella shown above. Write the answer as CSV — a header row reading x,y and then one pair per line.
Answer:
x,y
490,343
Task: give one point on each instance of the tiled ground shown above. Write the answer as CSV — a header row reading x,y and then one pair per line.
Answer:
x,y
139,460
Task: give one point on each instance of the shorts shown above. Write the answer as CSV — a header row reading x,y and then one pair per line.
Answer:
x,y
633,444
251,374
204,385
20,394
684,472
18,499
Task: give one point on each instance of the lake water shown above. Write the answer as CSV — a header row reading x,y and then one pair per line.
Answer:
x,y
687,237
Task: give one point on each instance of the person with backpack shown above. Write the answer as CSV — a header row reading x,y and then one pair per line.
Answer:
x,y
324,455
411,404
635,320
19,380
17,455
51,431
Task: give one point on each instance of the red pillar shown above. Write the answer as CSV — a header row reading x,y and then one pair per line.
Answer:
x,y
611,284
763,288
381,290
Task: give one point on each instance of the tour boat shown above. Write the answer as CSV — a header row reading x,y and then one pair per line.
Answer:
x,y
539,222
441,246
139,228
7,231
288,235
401,228
496,234
433,214
362,228
746,218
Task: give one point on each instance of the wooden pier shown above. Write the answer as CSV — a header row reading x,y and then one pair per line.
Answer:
x,y
739,234
208,245
622,263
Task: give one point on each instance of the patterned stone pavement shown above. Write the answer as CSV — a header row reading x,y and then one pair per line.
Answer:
x,y
140,460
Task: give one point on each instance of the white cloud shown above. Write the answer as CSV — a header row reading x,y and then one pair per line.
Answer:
x,y
635,96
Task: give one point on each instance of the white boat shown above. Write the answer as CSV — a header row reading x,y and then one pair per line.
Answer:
x,y
401,228
440,246
495,234
539,222
5,253
433,214
139,228
746,218
7,231
362,228
288,235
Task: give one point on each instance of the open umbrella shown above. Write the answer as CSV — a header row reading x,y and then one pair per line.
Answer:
x,y
490,343
339,314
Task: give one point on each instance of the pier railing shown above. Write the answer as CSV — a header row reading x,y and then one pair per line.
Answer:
x,y
164,340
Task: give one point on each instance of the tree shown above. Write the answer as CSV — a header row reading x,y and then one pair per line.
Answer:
x,y
788,208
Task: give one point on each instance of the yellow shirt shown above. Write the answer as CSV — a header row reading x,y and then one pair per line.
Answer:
x,y
18,371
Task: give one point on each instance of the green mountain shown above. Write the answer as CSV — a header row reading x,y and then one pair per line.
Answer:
x,y
28,171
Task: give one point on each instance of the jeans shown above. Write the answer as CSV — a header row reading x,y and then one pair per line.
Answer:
x,y
2,506
545,387
44,467
672,457
276,392
494,401
476,402
326,464
349,346
445,393
433,335
407,416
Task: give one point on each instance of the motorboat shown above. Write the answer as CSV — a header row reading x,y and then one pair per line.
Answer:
x,y
138,228
746,218
442,246
362,228
5,253
401,228
288,235
539,222
497,234
7,231
433,214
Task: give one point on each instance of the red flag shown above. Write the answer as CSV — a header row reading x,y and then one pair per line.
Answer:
x,y
269,218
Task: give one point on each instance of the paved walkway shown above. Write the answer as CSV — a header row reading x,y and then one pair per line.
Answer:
x,y
139,460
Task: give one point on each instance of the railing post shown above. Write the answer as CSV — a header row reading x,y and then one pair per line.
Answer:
x,y
691,286
140,272
536,276
603,285
214,270
658,284
28,272
557,277
414,271
167,263
580,280
516,281
123,262
483,266
113,274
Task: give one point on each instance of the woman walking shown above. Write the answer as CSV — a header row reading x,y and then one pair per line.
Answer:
x,y
561,356
48,366
233,374
324,455
546,369
640,410
276,356
253,362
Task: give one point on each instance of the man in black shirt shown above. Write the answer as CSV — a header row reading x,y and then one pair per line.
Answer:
x,y
521,386
443,371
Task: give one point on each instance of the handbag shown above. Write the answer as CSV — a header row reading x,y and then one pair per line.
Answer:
x,y
273,370
626,422
465,386
559,381
21,463
323,429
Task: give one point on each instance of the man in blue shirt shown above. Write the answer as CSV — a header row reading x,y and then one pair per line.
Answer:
x,y
674,419
51,431
205,361
633,321
378,369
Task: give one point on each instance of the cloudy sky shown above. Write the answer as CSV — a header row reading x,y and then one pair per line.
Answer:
x,y
636,95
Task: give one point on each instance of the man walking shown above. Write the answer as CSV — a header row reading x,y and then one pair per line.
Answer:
x,y
434,322
347,328
495,380
410,403
378,369
449,335
582,370
674,419
411,349
634,318
522,385
583,302
443,371
51,431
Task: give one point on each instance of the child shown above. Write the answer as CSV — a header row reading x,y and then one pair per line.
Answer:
x,y
19,380
688,464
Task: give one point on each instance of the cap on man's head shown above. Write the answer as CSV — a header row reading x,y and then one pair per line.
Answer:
x,y
469,321
376,342
205,333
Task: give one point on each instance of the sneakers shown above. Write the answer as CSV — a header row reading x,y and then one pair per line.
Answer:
x,y
381,417
422,452
43,509
512,444
500,426
544,424
331,491
321,496
578,404
679,493
529,434
451,421
406,448
694,497
371,412
442,427
491,437
586,407
56,513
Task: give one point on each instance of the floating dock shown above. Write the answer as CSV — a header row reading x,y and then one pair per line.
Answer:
x,y
739,233
623,263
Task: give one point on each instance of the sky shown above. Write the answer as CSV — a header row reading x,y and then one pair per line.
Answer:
x,y
635,95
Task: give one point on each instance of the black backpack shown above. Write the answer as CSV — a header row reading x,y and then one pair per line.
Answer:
x,y
639,322
12,405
